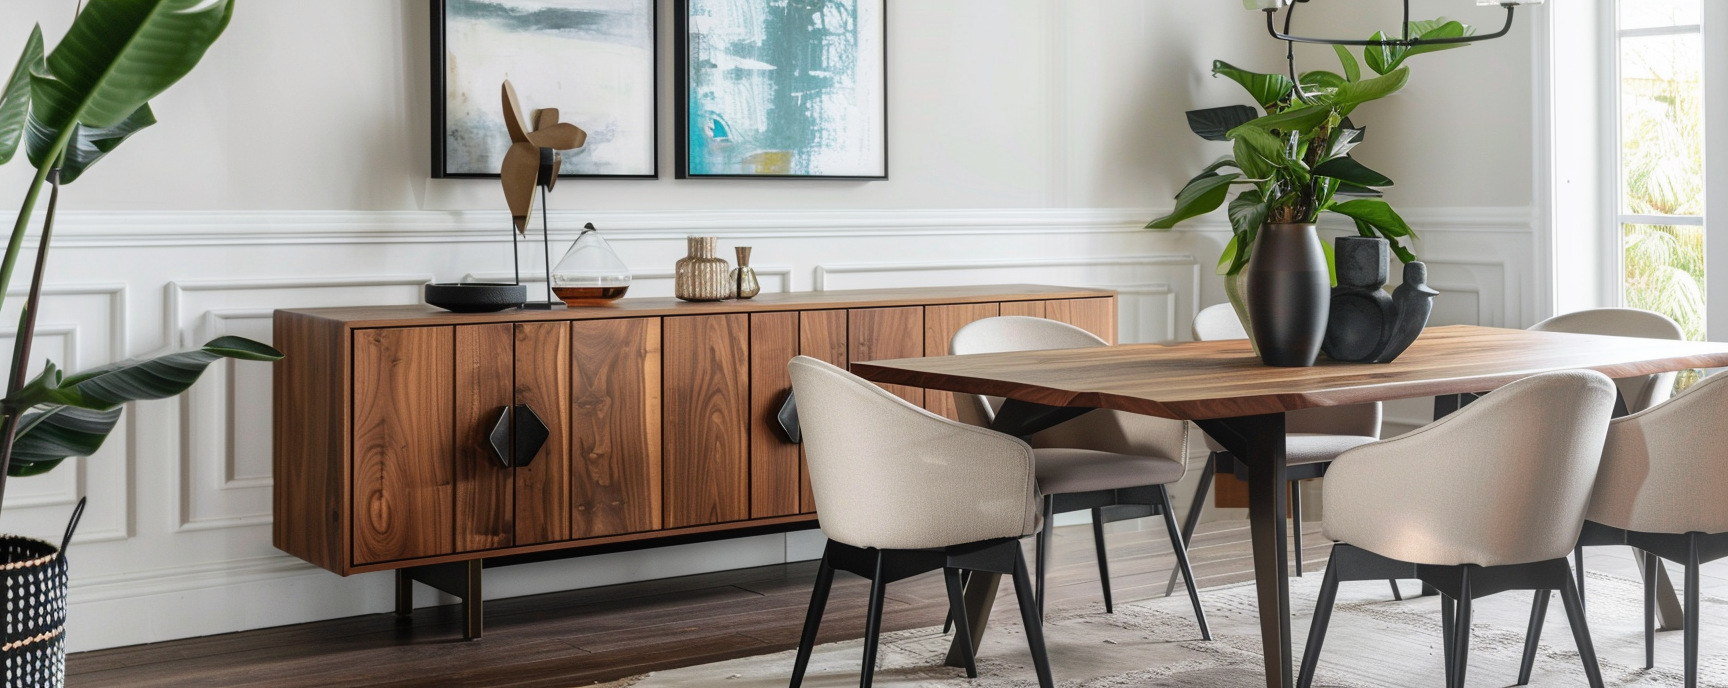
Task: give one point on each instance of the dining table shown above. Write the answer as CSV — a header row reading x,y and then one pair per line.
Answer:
x,y
1223,387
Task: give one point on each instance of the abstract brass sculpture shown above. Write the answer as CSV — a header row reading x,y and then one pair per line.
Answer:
x,y
532,159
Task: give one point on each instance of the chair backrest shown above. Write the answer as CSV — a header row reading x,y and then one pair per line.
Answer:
x,y
1505,480
890,475
1101,430
1640,392
1665,470
1219,322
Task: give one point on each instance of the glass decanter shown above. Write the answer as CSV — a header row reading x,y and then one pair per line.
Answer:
x,y
590,273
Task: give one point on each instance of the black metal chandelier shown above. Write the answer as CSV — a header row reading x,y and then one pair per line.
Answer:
x,y
1405,40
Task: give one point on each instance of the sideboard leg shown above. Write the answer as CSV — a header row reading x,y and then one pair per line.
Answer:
x,y
461,579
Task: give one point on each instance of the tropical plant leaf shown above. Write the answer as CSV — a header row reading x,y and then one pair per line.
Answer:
x,y
1202,196
49,436
1377,213
1331,261
1227,259
1212,169
1349,170
1303,119
1323,79
1347,189
1212,123
1404,254
1381,58
116,57
1268,90
1352,70
89,144
1258,153
1343,141
1356,93
1385,58
108,386
15,100
1248,211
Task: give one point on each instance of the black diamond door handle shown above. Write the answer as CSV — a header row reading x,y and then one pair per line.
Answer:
x,y
788,419
531,435
499,438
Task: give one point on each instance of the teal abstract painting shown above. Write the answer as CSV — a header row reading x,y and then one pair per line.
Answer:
x,y
783,88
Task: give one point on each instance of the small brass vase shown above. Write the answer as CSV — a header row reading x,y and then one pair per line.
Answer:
x,y
744,283
701,276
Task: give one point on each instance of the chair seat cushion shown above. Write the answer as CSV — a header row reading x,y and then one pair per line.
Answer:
x,y
1067,471
1303,448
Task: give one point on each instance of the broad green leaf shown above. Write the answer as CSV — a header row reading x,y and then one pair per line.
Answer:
x,y
1432,29
1356,93
89,144
1268,90
116,57
1343,141
1228,257
15,101
1352,71
1212,123
1322,79
1349,170
1198,198
1258,153
1381,58
1348,189
47,437
1213,168
161,377
1377,213
1303,119
1331,261
1404,254
1248,211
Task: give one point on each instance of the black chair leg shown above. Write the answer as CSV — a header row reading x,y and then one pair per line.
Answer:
x,y
1296,523
1448,635
1578,567
1533,635
948,623
1317,630
1103,559
1396,593
1030,617
957,612
1194,511
1461,632
812,620
1692,610
873,624
1045,535
1581,632
1650,564
1181,552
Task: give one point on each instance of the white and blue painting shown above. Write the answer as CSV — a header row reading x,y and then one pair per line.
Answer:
x,y
593,60
785,88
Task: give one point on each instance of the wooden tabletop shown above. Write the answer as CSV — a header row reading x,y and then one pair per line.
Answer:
x,y
1224,379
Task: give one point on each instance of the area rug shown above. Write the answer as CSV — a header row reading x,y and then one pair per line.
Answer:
x,y
1374,641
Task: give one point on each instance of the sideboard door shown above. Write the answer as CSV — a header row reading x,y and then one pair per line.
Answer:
x,y
615,426
404,438
543,480
707,424
775,471
485,487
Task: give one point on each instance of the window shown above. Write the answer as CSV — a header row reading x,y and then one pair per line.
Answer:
x,y
1659,132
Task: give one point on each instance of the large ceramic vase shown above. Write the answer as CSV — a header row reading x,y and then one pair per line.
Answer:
x,y
1289,294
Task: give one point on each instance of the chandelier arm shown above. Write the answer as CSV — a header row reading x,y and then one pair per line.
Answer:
x,y
1272,28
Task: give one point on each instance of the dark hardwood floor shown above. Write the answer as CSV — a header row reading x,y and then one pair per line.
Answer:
x,y
601,634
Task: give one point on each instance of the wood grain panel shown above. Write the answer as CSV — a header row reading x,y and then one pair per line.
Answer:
x,y
616,426
485,488
775,473
940,324
403,443
707,428
822,336
310,458
543,384
1224,379
1030,309
1097,316
885,333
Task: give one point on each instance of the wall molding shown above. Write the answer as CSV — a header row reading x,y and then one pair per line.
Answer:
x,y
1172,259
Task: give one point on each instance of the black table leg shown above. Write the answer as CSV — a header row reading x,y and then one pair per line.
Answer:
x,y
1258,441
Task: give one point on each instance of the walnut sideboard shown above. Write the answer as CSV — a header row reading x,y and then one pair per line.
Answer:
x,y
435,444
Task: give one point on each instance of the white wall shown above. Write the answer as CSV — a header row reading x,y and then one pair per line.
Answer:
x,y
1030,140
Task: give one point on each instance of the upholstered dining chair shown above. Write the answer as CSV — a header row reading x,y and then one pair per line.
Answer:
x,y
1116,465
1659,490
1489,499
903,492
1315,436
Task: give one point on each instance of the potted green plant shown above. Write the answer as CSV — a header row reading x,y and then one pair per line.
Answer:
x,y
67,109
1292,156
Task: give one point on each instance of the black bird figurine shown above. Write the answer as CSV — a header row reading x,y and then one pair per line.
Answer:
x,y
1366,325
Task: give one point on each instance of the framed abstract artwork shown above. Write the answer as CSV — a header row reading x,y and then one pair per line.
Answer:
x,y
593,60
782,89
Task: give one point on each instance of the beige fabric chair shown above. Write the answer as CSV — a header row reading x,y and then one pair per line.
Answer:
x,y
1316,436
1117,465
1640,392
1661,490
1490,498
904,491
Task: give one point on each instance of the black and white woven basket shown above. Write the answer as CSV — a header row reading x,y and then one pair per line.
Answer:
x,y
35,647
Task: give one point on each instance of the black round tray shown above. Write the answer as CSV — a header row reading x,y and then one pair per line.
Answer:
x,y
476,297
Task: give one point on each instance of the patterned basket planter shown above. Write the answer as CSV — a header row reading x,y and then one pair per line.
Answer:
x,y
35,647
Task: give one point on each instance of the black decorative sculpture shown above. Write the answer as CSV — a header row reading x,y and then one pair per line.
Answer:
x,y
1366,324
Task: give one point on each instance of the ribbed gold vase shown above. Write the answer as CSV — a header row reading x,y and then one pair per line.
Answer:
x,y
701,276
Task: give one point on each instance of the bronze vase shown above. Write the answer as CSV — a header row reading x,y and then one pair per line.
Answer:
x,y
701,276
1289,294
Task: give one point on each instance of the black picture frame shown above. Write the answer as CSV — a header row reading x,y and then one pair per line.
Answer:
x,y
681,69
439,109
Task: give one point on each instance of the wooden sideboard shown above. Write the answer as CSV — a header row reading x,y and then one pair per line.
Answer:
x,y
393,452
